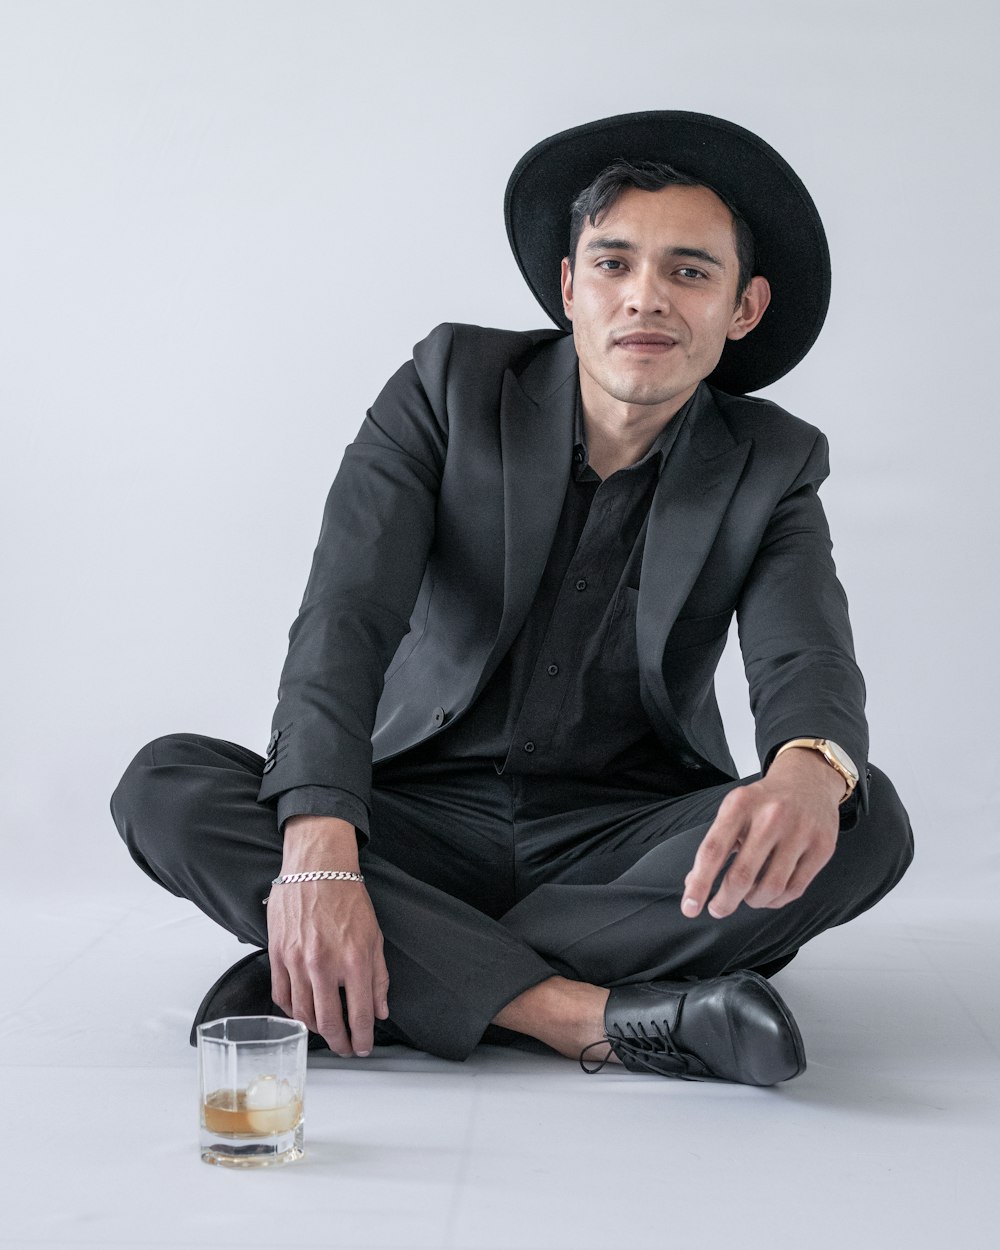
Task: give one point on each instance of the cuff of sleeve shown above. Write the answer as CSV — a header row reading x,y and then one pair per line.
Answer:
x,y
849,812
324,801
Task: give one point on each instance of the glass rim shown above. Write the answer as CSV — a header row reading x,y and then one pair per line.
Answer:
x,y
296,1031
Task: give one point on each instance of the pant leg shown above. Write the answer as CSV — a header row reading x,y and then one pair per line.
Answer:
x,y
187,810
607,909
599,872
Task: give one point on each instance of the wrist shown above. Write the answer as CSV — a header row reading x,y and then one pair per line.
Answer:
x,y
809,766
319,843
832,754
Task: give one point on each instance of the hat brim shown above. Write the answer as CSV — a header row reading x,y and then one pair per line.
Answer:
x,y
792,251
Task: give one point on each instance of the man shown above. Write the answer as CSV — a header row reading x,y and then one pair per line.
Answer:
x,y
497,790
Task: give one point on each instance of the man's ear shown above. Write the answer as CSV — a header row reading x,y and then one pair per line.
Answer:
x,y
750,309
566,282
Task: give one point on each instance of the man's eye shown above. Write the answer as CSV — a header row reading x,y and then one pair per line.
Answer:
x,y
609,263
688,272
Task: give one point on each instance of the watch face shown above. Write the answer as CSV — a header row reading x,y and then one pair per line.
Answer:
x,y
842,758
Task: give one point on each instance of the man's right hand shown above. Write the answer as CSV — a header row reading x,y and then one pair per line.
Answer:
x,y
323,935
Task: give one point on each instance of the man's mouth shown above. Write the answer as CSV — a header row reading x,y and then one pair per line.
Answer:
x,y
641,343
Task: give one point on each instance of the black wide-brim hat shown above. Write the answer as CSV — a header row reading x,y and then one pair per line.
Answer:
x,y
792,252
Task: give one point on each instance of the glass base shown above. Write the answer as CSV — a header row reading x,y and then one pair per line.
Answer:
x,y
244,1151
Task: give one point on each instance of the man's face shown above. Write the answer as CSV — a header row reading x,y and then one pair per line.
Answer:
x,y
653,297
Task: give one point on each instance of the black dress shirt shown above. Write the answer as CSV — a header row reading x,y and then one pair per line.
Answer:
x,y
565,699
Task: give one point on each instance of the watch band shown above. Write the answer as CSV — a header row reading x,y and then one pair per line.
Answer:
x,y
831,753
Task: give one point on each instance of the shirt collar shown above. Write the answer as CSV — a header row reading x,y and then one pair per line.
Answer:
x,y
659,450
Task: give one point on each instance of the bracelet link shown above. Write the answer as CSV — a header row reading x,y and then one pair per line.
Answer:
x,y
290,878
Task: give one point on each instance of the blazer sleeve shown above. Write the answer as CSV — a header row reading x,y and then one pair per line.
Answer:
x,y
795,633
377,530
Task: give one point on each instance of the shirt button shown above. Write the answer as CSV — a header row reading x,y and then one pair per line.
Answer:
x,y
528,748
552,670
581,583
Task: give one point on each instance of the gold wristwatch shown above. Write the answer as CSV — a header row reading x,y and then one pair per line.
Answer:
x,y
834,755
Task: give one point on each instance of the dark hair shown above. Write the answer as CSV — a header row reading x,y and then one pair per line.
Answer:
x,y
604,192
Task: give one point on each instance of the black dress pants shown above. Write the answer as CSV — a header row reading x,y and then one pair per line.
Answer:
x,y
485,885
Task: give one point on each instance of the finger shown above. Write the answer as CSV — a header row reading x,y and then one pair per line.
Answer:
x,y
800,880
773,878
302,1000
380,988
740,877
330,1022
361,1014
281,986
716,847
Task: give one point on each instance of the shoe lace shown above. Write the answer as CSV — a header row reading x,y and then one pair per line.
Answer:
x,y
651,1050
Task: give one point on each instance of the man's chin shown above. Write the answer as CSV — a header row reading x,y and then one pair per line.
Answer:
x,y
649,395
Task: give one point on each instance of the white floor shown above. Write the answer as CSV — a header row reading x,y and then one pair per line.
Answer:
x,y
890,1139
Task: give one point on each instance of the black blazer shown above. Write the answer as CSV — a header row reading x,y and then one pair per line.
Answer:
x,y
436,533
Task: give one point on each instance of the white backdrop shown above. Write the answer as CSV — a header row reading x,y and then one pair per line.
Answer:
x,y
224,224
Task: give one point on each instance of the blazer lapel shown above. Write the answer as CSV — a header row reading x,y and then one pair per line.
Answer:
x,y
691,498
536,440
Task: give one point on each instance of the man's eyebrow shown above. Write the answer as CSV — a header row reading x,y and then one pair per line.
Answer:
x,y
696,253
611,245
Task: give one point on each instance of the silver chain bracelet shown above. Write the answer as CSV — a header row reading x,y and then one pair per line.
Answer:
x,y
291,877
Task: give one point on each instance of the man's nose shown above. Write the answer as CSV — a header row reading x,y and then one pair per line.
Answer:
x,y
647,291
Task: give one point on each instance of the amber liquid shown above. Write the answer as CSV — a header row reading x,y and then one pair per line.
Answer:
x,y
225,1111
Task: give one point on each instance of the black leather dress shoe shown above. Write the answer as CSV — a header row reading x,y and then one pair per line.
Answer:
x,y
242,990
730,1028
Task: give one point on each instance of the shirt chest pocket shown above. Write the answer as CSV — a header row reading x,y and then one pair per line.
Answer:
x,y
618,651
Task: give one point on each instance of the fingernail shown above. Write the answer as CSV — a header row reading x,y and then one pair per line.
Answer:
x,y
717,915
362,1053
690,907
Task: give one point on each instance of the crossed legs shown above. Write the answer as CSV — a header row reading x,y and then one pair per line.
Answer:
x,y
498,899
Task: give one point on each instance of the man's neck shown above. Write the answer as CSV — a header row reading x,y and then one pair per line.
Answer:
x,y
619,434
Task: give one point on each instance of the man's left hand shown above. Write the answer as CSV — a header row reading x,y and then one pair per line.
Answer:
x,y
780,830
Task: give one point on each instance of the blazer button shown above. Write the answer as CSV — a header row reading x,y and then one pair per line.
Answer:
x,y
438,717
272,741
269,764
529,747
